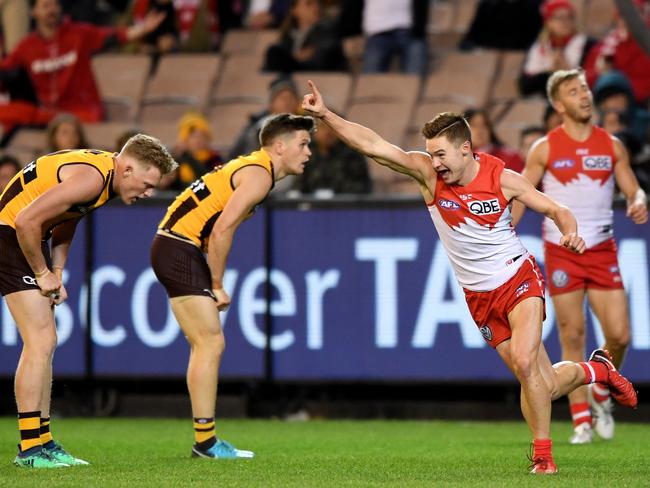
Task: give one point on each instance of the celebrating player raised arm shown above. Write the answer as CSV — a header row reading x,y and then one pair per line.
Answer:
x,y
468,196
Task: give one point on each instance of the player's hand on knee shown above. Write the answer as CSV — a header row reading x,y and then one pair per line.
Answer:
x,y
60,296
573,242
222,298
49,284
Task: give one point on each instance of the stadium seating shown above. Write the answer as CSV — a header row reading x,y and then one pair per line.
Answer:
x,y
463,77
246,42
104,135
505,85
336,87
529,111
181,83
26,144
121,81
599,17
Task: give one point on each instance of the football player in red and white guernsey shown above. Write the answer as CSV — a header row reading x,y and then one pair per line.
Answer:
x,y
577,164
468,196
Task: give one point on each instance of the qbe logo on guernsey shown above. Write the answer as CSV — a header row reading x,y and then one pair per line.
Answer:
x,y
484,207
597,163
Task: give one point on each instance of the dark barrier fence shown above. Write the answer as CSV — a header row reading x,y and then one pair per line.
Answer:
x,y
358,291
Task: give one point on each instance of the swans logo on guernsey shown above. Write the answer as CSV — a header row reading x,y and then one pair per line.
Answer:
x,y
484,207
448,204
597,163
486,332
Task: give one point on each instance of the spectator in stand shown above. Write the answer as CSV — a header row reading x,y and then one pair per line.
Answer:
x,y
193,153
503,24
14,23
527,137
484,139
333,167
190,25
266,14
283,98
618,50
392,29
56,57
551,118
308,42
164,38
614,93
558,46
9,166
65,132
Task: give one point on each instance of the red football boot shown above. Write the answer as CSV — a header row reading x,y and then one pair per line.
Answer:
x,y
619,387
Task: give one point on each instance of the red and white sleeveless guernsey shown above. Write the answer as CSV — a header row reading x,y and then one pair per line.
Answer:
x,y
475,226
580,175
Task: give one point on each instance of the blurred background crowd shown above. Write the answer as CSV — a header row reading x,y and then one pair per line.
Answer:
x,y
202,75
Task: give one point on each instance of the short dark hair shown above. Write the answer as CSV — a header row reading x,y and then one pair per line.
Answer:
x,y
282,124
452,125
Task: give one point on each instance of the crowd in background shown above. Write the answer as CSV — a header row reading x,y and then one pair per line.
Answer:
x,y
46,77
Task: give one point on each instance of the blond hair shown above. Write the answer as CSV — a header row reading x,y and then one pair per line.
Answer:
x,y
559,77
451,125
150,151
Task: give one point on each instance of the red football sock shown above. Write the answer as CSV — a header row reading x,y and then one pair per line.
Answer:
x,y
580,413
595,372
600,393
542,449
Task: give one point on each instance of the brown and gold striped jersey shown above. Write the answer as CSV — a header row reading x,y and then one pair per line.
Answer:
x,y
43,174
194,212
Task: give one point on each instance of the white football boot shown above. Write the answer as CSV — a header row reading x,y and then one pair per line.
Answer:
x,y
582,434
602,414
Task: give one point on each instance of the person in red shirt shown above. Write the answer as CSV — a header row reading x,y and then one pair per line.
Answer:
x,y
56,56
618,50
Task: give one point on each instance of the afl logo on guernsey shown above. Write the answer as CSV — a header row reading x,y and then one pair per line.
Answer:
x,y
563,164
560,278
448,204
484,207
597,163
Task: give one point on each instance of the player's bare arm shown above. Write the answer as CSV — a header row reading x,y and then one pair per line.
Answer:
x,y
60,244
637,201
415,164
252,185
516,187
79,184
533,172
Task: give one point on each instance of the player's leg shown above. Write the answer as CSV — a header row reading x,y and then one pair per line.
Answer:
x,y
199,320
35,322
610,307
569,313
520,354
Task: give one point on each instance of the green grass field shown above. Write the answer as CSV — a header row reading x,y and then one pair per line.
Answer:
x,y
155,452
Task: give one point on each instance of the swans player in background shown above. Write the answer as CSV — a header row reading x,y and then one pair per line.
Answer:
x,y
577,164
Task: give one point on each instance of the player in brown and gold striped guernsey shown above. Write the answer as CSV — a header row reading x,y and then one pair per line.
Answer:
x,y
203,219
39,211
